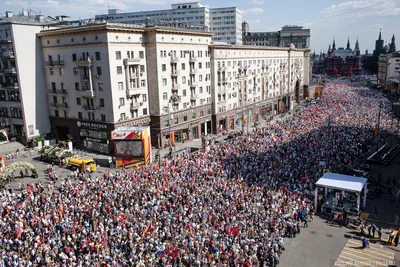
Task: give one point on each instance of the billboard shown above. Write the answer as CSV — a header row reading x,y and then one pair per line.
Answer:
x,y
132,146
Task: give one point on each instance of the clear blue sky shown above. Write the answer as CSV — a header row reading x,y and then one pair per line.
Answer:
x,y
326,18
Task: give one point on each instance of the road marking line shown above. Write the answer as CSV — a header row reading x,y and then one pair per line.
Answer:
x,y
375,251
367,252
367,256
373,246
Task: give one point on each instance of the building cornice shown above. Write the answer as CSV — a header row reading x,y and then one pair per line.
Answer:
x,y
118,27
260,48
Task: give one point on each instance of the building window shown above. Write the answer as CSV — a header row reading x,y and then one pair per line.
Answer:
x,y
144,97
183,66
120,86
200,78
164,81
185,118
144,111
75,70
122,116
99,72
73,57
142,83
97,55
100,86
117,54
183,79
78,101
77,86
193,115
200,90
166,123
200,65
119,69
101,102
209,111
80,115
201,113
121,101
163,67
65,114
142,69
51,70
56,113
176,120
3,112
183,93
165,96
61,71
141,54
103,117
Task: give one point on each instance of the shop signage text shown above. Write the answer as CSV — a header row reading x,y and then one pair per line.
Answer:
x,y
144,121
92,125
182,114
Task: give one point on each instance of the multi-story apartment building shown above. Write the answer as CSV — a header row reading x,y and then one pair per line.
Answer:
x,y
96,81
250,83
225,23
295,35
21,77
179,84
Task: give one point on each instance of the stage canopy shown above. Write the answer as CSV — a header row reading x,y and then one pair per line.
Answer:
x,y
342,182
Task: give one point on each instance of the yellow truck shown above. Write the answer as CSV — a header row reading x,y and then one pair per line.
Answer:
x,y
84,165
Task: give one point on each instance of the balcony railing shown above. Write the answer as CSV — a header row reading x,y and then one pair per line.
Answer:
x,y
174,59
136,105
193,59
132,61
84,62
58,91
54,63
193,84
87,93
59,105
194,97
193,71
88,107
85,77
10,85
10,70
175,86
7,54
5,40
175,73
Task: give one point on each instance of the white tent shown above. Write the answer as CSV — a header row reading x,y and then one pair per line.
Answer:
x,y
342,182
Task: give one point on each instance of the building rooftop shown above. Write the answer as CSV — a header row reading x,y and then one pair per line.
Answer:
x,y
26,18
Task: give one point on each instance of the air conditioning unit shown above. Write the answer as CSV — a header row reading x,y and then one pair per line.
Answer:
x,y
141,74
97,76
141,103
98,107
79,58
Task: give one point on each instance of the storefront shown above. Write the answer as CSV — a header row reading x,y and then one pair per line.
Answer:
x,y
95,136
180,127
266,111
247,118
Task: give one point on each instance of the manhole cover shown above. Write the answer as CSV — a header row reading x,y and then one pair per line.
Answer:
x,y
329,235
313,232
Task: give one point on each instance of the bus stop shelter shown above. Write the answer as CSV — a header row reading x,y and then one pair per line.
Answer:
x,y
344,183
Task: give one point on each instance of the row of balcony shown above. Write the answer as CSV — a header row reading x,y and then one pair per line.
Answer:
x,y
11,70
59,105
175,59
7,54
9,85
54,63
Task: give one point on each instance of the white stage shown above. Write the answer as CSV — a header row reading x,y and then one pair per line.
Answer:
x,y
342,182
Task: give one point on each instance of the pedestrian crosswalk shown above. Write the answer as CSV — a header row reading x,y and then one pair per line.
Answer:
x,y
353,255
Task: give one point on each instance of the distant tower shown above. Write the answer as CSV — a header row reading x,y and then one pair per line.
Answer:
x,y
333,45
392,48
329,51
379,45
357,48
348,43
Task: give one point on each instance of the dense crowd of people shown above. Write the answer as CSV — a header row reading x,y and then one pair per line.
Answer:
x,y
231,204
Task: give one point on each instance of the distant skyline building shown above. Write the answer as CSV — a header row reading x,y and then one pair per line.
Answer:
x,y
224,22
288,34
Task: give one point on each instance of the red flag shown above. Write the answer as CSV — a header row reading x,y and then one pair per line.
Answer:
x,y
19,232
234,230
148,228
